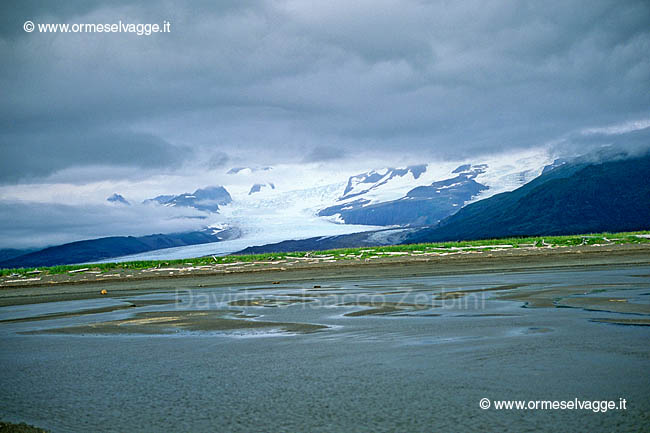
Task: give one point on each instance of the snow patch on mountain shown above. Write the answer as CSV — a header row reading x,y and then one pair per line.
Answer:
x,y
382,185
290,211
207,199
118,199
247,170
372,180
509,172
499,173
260,186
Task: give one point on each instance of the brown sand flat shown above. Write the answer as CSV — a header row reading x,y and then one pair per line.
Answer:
x,y
383,308
574,297
315,295
38,295
253,289
267,302
542,298
169,322
132,304
614,305
462,293
129,282
416,315
311,295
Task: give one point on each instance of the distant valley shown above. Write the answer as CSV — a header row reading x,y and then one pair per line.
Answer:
x,y
418,203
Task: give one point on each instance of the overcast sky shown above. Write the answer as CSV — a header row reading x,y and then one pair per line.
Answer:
x,y
326,83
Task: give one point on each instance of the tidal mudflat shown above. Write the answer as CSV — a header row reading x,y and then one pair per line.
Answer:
x,y
384,353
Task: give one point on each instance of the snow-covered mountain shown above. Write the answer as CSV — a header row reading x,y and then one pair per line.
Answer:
x,y
107,248
206,199
424,194
247,170
118,199
289,202
413,195
422,205
585,195
293,204
260,186
373,181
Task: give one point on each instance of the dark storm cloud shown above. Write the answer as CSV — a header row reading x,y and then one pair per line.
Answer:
x,y
219,159
287,80
324,153
40,154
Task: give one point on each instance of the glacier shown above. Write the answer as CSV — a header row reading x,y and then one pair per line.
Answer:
x,y
289,211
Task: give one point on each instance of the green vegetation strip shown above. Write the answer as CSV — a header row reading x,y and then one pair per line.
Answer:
x,y
351,253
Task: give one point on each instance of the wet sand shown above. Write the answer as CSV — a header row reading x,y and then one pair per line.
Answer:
x,y
383,308
87,286
66,314
263,302
170,322
406,347
622,321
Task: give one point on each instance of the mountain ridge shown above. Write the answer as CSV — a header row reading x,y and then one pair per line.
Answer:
x,y
114,246
420,206
205,199
578,197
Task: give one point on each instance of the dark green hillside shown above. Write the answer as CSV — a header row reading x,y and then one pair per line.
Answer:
x,y
574,198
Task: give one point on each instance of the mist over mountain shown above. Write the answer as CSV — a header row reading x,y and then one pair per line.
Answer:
x,y
203,199
98,249
577,197
118,198
508,195
291,120
593,193
259,186
422,205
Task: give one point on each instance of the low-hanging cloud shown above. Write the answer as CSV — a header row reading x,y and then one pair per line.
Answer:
x,y
36,225
324,153
628,139
38,154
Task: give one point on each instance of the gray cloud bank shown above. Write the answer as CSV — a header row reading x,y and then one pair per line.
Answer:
x,y
269,81
36,225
